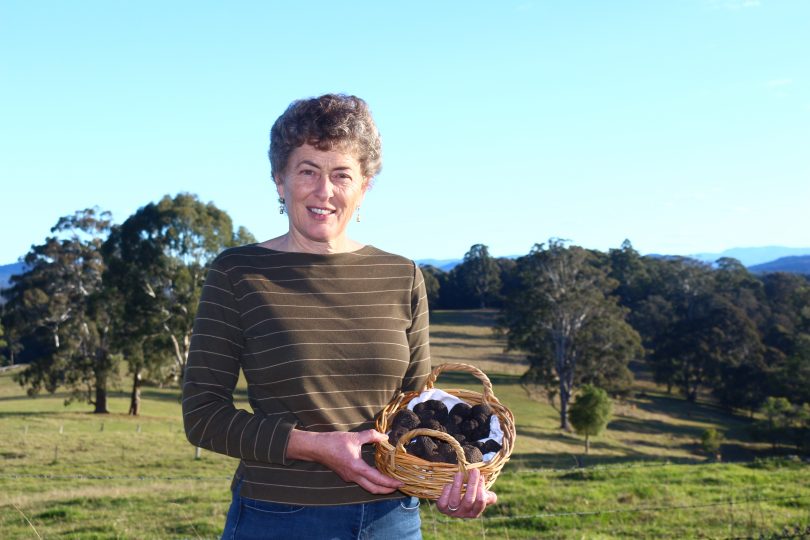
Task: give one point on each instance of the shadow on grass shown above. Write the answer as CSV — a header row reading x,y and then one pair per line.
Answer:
x,y
463,338
561,460
471,317
654,427
680,407
463,378
501,360
463,343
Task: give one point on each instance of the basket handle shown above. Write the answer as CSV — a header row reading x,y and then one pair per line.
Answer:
x,y
480,375
406,438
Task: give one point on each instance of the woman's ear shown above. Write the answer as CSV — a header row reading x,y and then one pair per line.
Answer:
x,y
279,185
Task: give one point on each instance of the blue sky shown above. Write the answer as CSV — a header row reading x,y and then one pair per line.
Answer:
x,y
681,125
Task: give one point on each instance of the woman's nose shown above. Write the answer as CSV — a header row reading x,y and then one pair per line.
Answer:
x,y
324,187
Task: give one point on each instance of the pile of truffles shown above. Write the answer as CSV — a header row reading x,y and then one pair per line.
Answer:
x,y
466,424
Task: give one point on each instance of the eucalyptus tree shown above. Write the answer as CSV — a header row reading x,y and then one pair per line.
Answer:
x,y
432,284
157,259
562,314
3,342
787,335
60,311
481,275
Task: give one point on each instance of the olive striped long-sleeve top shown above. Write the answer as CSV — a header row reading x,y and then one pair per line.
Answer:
x,y
324,341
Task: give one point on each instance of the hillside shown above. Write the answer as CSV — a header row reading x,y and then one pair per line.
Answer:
x,y
753,255
124,477
799,264
8,270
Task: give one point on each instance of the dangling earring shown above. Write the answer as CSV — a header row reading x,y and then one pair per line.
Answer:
x,y
358,214
281,207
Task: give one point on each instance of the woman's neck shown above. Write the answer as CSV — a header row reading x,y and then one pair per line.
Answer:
x,y
290,242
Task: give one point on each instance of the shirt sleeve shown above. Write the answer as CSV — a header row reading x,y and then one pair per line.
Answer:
x,y
418,336
210,418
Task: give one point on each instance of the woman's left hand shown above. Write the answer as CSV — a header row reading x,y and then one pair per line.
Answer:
x,y
474,501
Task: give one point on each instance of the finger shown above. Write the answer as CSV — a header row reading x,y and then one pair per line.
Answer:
x,y
376,477
371,487
444,498
473,481
492,497
481,499
454,500
372,436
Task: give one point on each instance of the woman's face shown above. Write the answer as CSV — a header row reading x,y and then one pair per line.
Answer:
x,y
322,189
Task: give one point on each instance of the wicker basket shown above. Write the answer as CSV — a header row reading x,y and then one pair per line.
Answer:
x,y
426,479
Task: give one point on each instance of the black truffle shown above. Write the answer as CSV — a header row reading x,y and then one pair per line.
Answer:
x,y
491,446
433,424
481,418
448,455
462,440
469,428
426,414
396,434
439,410
481,408
482,432
405,418
422,446
419,407
472,454
461,409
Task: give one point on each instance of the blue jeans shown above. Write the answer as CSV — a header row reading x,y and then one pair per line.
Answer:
x,y
396,519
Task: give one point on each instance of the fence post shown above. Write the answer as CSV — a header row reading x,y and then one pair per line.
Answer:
x,y
731,510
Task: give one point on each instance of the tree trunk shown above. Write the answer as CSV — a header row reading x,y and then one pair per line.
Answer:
x,y
564,397
135,397
101,394
587,444
101,372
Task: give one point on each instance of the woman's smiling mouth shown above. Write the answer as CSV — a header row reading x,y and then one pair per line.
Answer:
x,y
320,211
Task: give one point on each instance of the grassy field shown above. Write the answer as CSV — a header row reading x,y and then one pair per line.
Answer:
x,y
69,474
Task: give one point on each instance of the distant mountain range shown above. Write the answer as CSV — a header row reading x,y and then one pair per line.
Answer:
x,y
441,264
753,256
8,270
799,264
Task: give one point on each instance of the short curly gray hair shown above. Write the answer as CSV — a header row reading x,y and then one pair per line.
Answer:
x,y
328,122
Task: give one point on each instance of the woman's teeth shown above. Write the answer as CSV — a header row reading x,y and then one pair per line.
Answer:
x,y
320,211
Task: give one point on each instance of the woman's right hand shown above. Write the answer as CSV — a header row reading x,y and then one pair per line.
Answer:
x,y
341,452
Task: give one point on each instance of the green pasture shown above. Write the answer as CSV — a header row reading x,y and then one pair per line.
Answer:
x,y
66,473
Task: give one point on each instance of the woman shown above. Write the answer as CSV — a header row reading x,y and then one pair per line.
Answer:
x,y
326,331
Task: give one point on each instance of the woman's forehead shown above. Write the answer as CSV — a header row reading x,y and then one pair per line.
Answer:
x,y
323,157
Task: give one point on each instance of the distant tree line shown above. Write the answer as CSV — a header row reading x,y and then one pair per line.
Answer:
x,y
96,295
582,315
